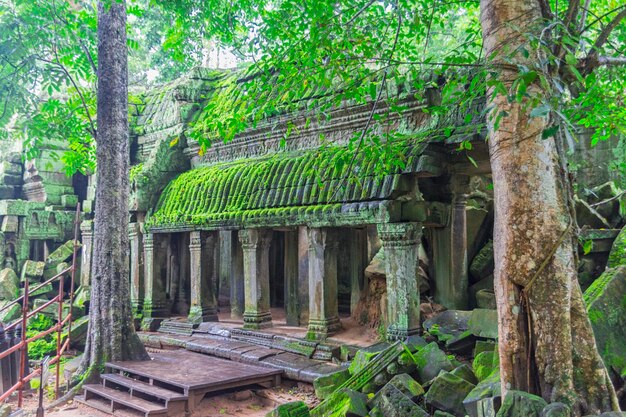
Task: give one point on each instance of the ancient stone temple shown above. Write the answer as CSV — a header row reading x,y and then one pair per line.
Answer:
x,y
261,223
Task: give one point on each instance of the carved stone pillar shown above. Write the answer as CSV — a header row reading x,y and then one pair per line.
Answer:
x,y
401,242
255,243
181,305
154,304
458,287
136,269
292,305
323,304
357,248
237,284
86,232
202,260
303,273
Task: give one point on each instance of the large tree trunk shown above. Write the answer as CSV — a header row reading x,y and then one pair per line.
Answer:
x,y
111,332
547,346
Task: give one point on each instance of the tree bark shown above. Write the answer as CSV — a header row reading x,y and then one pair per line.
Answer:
x,y
111,334
546,342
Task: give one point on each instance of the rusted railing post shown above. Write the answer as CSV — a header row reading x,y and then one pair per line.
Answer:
x,y
24,348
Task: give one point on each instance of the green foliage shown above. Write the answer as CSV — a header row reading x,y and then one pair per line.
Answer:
x,y
313,57
44,346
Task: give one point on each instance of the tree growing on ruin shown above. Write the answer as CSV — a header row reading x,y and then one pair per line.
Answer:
x,y
111,334
540,68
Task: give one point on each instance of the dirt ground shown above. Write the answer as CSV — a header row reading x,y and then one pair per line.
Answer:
x,y
242,403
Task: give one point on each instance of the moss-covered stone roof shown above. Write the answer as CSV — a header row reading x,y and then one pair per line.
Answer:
x,y
300,185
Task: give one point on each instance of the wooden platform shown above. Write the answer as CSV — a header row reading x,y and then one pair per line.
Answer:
x,y
172,383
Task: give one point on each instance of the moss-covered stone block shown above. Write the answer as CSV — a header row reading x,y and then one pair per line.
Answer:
x,y
33,269
482,264
484,346
10,313
487,388
399,397
327,384
344,402
606,305
484,323
465,372
9,285
292,409
431,360
364,356
483,364
617,256
521,404
62,253
447,393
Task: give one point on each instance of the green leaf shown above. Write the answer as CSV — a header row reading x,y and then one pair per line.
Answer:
x,y
549,132
540,111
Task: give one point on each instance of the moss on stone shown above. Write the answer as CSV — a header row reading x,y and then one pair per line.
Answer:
x,y
306,184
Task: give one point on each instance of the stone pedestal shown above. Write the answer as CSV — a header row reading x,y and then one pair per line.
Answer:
x,y
237,284
255,243
292,307
401,242
202,263
136,269
86,232
323,305
154,303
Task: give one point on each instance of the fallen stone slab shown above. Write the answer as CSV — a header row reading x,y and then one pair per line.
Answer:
x,y
430,361
607,312
447,393
292,409
484,323
259,354
344,402
487,388
327,384
9,285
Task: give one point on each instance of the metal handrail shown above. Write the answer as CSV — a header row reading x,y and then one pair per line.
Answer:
x,y
22,345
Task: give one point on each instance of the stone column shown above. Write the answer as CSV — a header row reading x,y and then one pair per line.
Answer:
x,y
225,253
181,306
356,251
323,305
154,288
303,273
136,269
458,287
255,243
292,307
86,232
202,306
237,284
401,242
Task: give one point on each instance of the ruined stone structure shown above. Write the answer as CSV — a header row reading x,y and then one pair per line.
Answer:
x,y
37,205
256,224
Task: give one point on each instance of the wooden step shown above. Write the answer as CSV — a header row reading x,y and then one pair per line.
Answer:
x,y
120,398
136,386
